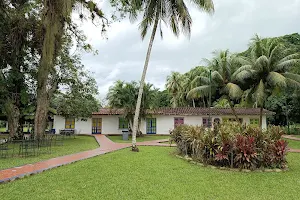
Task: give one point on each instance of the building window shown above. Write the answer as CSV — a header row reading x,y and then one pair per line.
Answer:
x,y
70,123
254,122
123,123
232,120
206,122
178,121
151,125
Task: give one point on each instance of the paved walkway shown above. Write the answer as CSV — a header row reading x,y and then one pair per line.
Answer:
x,y
291,137
106,146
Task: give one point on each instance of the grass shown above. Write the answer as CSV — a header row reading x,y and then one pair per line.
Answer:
x,y
153,173
118,138
80,143
294,144
3,129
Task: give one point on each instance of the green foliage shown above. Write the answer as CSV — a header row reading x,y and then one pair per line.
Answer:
x,y
232,145
124,95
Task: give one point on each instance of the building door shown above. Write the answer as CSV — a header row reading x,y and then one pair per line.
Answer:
x,y
151,125
96,125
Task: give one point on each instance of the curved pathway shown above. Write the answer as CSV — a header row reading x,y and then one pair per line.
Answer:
x,y
106,146
291,137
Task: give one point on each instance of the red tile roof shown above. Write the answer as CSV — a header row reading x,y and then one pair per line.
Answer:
x,y
189,111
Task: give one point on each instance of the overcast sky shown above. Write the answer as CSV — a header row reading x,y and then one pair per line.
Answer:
x,y
233,24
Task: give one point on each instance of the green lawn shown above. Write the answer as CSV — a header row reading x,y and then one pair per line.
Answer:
x,y
2,129
294,144
153,173
80,143
118,138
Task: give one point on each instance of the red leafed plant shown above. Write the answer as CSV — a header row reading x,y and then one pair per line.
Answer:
x,y
222,157
245,152
280,150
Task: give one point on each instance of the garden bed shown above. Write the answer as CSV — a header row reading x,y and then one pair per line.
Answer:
x,y
233,145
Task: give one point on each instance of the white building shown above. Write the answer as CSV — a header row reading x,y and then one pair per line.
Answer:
x,y
159,121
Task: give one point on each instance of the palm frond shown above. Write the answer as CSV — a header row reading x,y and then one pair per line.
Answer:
x,y
276,79
205,5
261,63
287,64
200,91
200,80
292,83
295,77
217,77
233,91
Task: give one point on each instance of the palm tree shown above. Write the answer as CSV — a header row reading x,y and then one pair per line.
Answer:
x,y
188,83
223,80
173,13
267,70
174,87
124,95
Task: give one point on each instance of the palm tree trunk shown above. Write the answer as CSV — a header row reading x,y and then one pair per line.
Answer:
x,y
260,117
194,103
233,110
139,100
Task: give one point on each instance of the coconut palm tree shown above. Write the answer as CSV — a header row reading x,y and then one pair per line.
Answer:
x,y
174,14
223,80
174,87
267,70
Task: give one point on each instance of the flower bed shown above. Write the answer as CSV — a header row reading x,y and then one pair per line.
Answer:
x,y
233,145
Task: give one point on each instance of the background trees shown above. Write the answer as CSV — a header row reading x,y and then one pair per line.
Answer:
x,y
124,95
266,76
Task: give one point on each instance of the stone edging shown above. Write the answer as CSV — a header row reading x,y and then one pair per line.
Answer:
x,y
190,160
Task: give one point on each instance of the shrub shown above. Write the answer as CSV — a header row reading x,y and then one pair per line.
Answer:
x,y
232,145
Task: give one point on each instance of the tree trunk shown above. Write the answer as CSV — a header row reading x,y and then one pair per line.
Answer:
x,y
194,103
233,110
13,118
260,117
139,100
204,102
53,28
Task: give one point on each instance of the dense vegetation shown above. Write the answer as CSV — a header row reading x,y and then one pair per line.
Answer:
x,y
232,145
39,75
265,76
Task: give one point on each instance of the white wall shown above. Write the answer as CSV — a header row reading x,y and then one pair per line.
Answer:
x,y
58,123
110,124
82,126
164,123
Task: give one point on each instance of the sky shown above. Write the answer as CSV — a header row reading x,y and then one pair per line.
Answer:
x,y
122,55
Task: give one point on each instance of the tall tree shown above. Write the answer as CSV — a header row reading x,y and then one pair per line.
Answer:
x,y
173,13
268,68
17,21
223,79
56,16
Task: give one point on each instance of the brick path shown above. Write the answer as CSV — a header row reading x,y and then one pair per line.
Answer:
x,y
106,146
292,138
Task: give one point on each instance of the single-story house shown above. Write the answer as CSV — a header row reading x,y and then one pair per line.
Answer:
x,y
159,121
